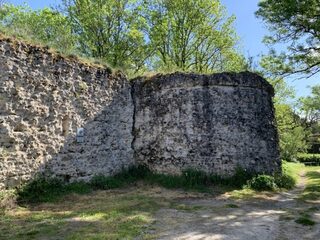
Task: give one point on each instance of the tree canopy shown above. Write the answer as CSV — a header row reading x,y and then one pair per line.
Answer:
x,y
45,26
139,35
296,23
192,35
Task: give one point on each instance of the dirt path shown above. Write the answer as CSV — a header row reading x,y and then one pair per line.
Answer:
x,y
221,217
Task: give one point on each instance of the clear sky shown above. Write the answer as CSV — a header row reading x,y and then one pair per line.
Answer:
x,y
250,29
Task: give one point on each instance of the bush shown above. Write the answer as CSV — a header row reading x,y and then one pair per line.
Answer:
x,y
310,159
48,190
240,178
262,183
285,181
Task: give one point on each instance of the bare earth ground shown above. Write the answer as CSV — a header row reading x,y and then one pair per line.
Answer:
x,y
151,212
264,218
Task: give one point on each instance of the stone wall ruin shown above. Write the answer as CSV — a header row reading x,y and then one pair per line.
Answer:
x,y
168,122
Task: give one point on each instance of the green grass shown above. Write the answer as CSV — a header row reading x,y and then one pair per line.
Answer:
x,y
305,220
292,169
51,190
312,190
231,205
99,215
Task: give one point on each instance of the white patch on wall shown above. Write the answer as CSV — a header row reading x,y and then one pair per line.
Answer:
x,y
80,135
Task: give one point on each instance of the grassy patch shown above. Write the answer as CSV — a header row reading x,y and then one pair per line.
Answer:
x,y
230,205
51,190
292,169
312,190
305,220
245,193
99,215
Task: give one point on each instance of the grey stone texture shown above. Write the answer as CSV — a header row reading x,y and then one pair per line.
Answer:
x,y
169,122
44,98
213,123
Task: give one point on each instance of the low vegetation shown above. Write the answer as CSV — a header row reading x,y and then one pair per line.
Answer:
x,y
312,190
125,206
309,159
50,190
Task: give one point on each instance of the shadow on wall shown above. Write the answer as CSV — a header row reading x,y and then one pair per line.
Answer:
x,y
209,122
104,149
44,98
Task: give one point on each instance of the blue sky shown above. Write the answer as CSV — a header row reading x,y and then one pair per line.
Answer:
x,y
250,29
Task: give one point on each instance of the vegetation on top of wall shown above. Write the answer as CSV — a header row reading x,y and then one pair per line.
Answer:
x,y
15,39
135,36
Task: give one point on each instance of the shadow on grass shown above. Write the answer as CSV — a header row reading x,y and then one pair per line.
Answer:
x,y
50,190
312,190
99,215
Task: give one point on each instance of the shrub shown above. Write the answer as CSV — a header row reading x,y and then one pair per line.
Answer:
x,y
310,159
285,181
240,178
48,190
40,190
262,183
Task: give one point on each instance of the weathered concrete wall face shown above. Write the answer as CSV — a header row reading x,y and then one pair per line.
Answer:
x,y
213,123
44,98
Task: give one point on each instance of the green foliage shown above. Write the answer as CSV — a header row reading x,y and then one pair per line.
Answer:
x,y
134,35
122,179
289,176
285,181
262,183
185,37
297,24
48,190
109,30
194,178
312,159
45,26
305,220
312,191
292,135
310,106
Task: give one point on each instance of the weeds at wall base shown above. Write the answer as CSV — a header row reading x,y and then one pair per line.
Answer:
x,y
49,190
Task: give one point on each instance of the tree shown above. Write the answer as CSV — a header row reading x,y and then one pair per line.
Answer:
x,y
297,23
292,136
292,133
46,26
192,35
109,29
310,107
